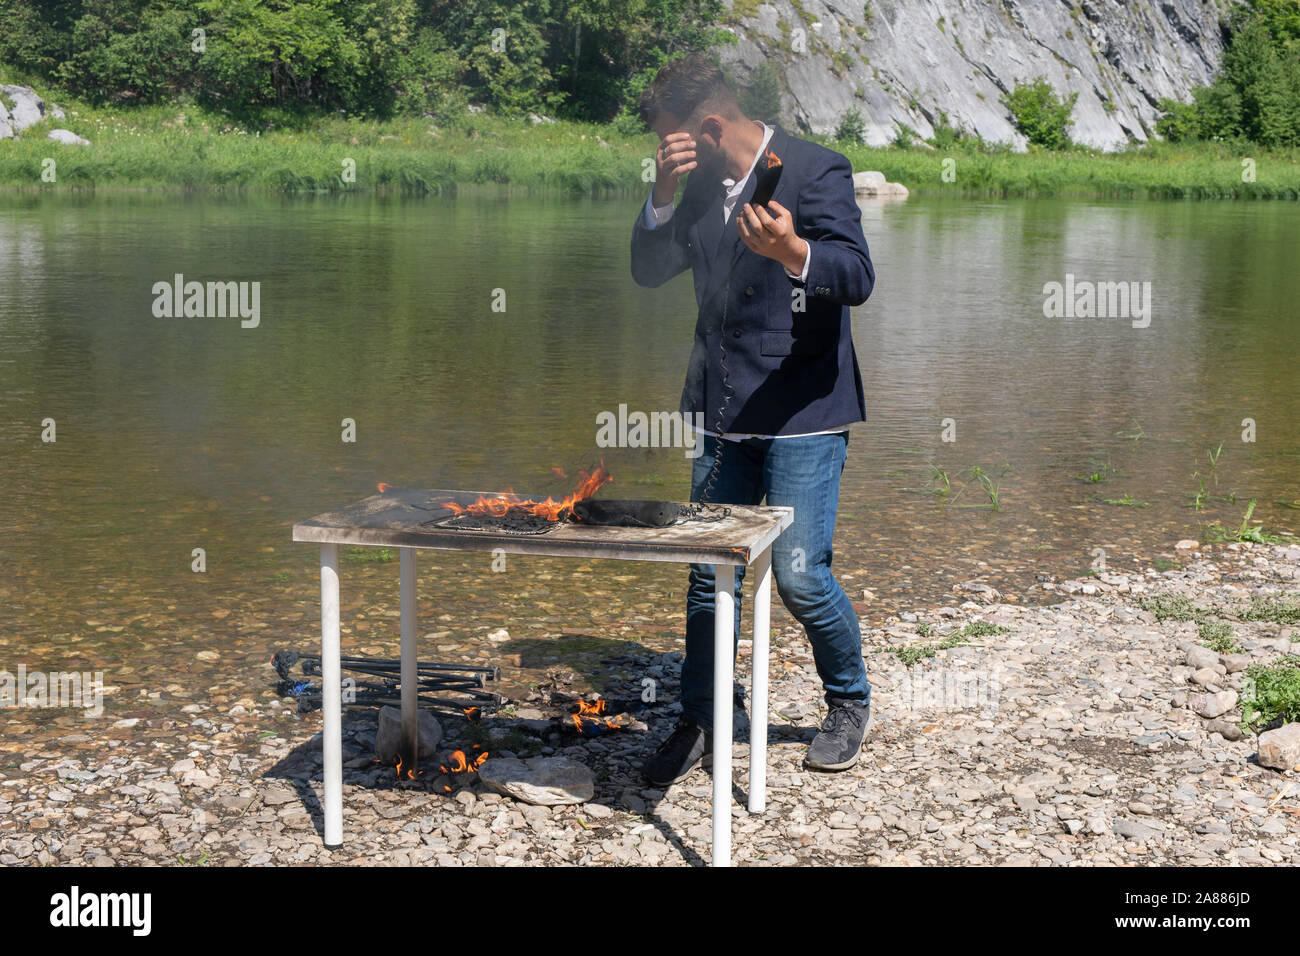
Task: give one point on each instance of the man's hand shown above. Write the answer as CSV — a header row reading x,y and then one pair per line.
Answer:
x,y
674,158
772,235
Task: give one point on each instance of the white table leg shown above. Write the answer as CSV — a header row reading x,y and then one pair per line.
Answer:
x,y
724,665
761,605
410,672
331,696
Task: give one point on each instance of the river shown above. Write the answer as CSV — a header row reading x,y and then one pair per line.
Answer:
x,y
176,434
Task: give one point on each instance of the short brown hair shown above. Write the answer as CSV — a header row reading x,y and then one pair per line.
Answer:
x,y
686,87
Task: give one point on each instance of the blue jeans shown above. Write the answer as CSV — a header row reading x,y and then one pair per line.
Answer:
x,y
802,473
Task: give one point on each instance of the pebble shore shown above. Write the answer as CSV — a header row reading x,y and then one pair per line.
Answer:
x,y
1070,739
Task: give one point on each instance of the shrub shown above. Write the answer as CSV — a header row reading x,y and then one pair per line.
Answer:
x,y
1269,695
945,134
852,128
1218,636
1179,122
1041,115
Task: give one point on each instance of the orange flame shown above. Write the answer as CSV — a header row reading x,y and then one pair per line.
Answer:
x,y
472,713
589,718
405,773
772,159
460,763
591,726
550,509
383,487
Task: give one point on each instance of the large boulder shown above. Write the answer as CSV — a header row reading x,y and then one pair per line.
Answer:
x,y
21,107
28,108
871,184
547,781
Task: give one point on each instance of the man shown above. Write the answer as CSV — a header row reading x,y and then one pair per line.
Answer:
x,y
772,371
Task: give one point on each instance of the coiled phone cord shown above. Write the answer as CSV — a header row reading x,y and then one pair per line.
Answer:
x,y
727,392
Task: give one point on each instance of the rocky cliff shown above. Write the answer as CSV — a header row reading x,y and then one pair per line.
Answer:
x,y
908,61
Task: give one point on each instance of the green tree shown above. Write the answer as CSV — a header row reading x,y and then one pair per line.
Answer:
x,y
126,49
502,46
285,53
1263,74
597,48
1256,94
581,57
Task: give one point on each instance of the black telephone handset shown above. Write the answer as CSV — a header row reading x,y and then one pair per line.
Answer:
x,y
768,174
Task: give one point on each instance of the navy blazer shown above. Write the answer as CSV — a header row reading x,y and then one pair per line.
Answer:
x,y
786,372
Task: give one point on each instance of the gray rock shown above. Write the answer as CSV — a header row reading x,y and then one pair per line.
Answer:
x,y
867,185
1199,657
1235,662
1280,748
388,738
1206,677
1133,830
632,802
67,137
278,796
1024,798
1212,705
542,780
28,108
1226,728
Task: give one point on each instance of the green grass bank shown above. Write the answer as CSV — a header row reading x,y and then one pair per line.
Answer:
x,y
189,149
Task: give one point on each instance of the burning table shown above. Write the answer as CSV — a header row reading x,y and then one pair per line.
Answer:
x,y
412,519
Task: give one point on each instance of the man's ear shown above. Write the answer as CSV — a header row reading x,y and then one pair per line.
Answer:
x,y
711,126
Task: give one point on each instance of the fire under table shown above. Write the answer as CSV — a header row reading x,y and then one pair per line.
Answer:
x,y
408,519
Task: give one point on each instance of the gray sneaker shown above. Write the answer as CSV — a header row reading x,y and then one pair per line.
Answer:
x,y
839,741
